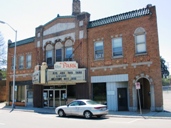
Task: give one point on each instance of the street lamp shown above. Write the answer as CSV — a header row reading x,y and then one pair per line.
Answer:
x,y
13,105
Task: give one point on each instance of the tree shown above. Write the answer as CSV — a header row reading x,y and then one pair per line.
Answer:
x,y
164,68
3,52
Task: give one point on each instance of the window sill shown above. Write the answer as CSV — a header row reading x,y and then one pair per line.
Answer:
x,y
115,57
98,59
140,54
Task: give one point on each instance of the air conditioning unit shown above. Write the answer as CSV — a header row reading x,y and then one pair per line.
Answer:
x,y
98,56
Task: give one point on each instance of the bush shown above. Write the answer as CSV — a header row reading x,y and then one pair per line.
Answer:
x,y
165,81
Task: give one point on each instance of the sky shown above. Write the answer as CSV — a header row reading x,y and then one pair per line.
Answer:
x,y
25,15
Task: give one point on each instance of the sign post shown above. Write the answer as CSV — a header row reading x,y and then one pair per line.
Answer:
x,y
137,85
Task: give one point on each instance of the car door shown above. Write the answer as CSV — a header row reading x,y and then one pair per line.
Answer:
x,y
72,108
81,108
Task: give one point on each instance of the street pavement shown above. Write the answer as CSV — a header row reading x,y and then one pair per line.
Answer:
x,y
165,114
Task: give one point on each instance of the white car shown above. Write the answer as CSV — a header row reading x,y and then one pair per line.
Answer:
x,y
86,108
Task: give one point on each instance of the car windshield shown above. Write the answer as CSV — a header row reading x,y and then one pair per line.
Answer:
x,y
91,102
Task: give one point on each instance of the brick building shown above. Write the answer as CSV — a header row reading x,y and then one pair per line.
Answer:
x,y
102,60
25,62
2,90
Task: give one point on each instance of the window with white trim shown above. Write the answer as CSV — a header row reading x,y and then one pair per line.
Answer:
x,y
68,53
58,51
58,55
28,61
98,50
117,47
49,55
140,40
21,62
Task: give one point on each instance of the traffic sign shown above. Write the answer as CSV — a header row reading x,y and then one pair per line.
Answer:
x,y
137,85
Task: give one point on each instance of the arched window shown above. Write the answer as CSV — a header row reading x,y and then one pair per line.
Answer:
x,y
59,51
49,55
140,40
68,50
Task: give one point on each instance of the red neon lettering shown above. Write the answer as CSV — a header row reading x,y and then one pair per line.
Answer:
x,y
68,65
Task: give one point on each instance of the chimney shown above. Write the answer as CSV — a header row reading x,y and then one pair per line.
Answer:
x,y
76,7
149,5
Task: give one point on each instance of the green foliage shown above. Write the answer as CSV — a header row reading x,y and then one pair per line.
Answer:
x,y
165,81
3,74
164,68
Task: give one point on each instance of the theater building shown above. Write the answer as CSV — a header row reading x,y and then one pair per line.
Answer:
x,y
110,60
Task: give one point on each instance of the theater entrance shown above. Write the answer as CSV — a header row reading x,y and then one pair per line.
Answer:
x,y
54,97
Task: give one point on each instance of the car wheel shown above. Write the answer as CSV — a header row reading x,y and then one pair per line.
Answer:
x,y
61,113
87,114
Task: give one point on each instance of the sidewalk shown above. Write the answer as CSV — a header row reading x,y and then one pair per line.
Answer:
x,y
166,114
119,114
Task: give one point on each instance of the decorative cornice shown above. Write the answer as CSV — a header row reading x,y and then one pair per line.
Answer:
x,y
120,17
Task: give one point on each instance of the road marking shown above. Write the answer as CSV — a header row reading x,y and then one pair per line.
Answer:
x,y
134,121
125,122
2,124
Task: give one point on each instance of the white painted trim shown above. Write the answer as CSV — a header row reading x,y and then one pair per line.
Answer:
x,y
62,37
110,67
109,78
141,63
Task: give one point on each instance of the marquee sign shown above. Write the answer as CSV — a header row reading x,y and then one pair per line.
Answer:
x,y
66,65
64,73
66,76
36,77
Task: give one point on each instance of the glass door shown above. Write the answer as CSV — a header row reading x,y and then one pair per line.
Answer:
x,y
60,97
54,98
48,98
63,97
45,98
51,98
57,98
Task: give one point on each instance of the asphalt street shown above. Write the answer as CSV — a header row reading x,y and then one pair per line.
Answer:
x,y
19,119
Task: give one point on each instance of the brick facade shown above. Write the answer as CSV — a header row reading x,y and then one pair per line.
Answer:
x,y
114,73
2,90
22,75
125,29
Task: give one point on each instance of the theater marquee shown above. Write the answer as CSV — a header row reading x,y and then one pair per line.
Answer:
x,y
64,73
66,76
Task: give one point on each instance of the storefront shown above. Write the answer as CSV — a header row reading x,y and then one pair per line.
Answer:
x,y
23,93
58,85
115,90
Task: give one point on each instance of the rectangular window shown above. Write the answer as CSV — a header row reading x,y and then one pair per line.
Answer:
x,y
12,64
49,58
140,44
58,55
117,47
21,62
68,53
99,92
28,61
19,93
98,50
